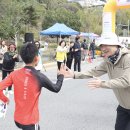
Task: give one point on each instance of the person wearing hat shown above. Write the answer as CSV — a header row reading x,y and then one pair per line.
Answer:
x,y
116,63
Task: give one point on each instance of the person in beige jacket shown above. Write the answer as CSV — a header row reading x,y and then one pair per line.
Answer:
x,y
116,64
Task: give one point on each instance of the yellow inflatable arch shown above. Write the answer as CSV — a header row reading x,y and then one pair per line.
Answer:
x,y
109,13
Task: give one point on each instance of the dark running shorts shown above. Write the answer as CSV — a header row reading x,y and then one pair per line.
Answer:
x,y
28,127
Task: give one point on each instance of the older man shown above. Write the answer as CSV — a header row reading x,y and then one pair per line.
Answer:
x,y
117,65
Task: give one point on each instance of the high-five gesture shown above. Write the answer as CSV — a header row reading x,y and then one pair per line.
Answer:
x,y
66,72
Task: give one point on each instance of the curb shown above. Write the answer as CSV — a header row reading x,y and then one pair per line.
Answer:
x,y
49,64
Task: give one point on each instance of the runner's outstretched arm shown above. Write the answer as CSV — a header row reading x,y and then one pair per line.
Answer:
x,y
48,84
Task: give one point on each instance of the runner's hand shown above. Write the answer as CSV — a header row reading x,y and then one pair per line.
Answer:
x,y
66,72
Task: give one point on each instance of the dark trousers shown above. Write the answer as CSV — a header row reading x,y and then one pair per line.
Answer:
x,y
59,64
69,62
27,127
0,66
77,63
4,74
93,54
122,119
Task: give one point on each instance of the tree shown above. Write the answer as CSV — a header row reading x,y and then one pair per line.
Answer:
x,y
66,13
10,18
52,4
30,16
91,20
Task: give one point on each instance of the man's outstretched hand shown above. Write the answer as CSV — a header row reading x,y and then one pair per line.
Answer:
x,y
95,83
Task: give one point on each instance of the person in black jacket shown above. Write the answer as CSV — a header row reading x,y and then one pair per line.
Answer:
x,y
84,48
70,55
9,59
92,49
77,55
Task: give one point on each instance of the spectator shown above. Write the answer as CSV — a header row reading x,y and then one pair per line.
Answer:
x,y
70,55
117,65
9,59
123,43
39,65
3,49
126,43
84,48
77,55
61,53
92,49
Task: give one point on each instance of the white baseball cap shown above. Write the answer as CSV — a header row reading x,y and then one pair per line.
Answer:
x,y
108,39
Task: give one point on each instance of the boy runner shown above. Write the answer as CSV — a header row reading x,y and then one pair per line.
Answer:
x,y
27,88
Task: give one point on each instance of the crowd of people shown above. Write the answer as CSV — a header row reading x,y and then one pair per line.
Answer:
x,y
29,80
66,53
27,83
76,51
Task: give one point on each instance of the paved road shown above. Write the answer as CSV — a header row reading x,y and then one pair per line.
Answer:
x,y
75,107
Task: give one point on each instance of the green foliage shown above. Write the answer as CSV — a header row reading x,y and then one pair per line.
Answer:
x,y
11,20
91,20
67,14
30,16
6,21
122,18
52,4
20,16
16,17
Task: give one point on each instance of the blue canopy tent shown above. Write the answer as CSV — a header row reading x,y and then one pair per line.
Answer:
x,y
59,30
